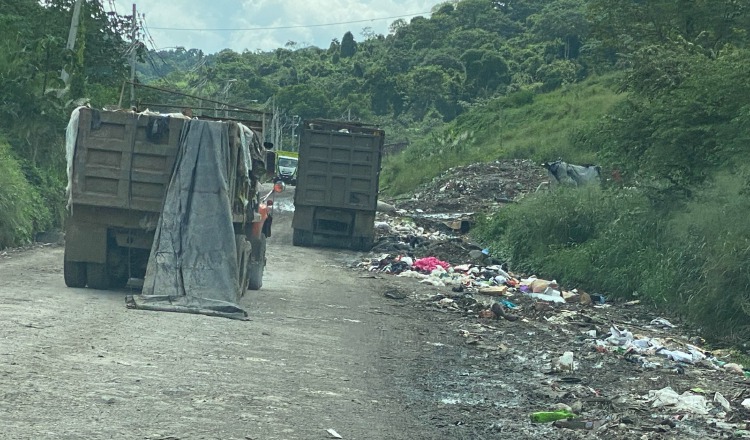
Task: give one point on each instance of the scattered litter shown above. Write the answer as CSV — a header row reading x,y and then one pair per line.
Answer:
x,y
616,346
394,294
687,402
332,432
734,368
576,424
662,323
428,264
566,362
546,297
551,416
721,400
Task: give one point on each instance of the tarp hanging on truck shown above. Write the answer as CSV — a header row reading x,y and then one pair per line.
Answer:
x,y
193,264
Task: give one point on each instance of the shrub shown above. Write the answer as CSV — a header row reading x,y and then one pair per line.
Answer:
x,y
22,211
596,239
713,235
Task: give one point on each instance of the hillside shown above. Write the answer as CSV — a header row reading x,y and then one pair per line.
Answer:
x,y
522,125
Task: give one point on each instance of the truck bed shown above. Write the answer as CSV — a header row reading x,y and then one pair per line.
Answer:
x,y
124,160
339,166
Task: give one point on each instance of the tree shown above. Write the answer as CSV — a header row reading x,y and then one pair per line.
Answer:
x,y
485,70
348,45
562,20
304,100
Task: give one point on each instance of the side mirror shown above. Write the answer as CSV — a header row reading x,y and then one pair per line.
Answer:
x,y
279,187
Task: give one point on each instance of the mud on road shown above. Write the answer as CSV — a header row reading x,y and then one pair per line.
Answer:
x,y
325,349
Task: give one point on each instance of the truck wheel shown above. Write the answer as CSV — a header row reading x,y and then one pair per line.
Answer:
x,y
74,273
300,237
258,264
97,275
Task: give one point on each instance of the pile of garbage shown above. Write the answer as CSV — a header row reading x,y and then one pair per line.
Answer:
x,y
435,219
586,364
400,234
571,337
477,186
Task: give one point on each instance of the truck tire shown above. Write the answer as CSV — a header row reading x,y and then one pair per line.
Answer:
x,y
74,273
97,275
301,237
118,262
258,264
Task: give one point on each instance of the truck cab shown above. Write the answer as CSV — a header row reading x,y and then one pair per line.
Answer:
x,y
286,168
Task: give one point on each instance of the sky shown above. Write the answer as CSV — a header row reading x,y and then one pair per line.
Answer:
x,y
306,22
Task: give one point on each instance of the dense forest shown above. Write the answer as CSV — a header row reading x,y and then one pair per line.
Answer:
x,y
656,92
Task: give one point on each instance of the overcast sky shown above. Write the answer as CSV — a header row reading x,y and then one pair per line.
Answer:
x,y
306,18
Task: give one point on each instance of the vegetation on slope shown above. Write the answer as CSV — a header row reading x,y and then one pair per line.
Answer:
x,y
521,125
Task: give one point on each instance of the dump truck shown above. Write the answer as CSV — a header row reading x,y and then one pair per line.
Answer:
x,y
337,184
121,166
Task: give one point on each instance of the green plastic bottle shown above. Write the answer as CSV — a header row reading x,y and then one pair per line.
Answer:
x,y
551,416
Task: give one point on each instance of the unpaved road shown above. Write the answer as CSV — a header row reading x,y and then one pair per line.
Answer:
x,y
324,349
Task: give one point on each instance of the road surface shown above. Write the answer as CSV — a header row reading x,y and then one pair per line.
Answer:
x,y
324,350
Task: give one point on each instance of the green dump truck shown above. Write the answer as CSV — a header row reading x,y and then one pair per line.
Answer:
x,y
337,184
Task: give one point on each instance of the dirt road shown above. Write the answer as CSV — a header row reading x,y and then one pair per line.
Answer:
x,y
324,349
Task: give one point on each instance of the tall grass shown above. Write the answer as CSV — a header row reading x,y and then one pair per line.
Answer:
x,y
692,262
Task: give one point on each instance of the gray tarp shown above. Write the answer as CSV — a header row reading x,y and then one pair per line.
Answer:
x,y
193,264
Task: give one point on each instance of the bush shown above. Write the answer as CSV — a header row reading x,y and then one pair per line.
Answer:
x,y
713,234
690,263
596,239
22,211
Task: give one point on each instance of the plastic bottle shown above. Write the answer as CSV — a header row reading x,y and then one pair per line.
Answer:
x,y
551,416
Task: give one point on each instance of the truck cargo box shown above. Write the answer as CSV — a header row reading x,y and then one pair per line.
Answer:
x,y
337,186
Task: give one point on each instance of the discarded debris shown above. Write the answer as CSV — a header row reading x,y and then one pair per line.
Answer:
x,y
685,402
332,432
551,416
721,400
394,294
612,352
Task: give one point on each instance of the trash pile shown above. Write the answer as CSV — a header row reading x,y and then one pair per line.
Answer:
x,y
477,186
434,220
556,362
607,367
403,235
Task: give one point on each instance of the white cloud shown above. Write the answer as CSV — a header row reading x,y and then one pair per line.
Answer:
x,y
249,14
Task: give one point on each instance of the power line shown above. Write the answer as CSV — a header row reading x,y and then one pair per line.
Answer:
x,y
273,28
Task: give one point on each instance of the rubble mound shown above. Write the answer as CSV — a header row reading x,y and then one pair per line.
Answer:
x,y
477,187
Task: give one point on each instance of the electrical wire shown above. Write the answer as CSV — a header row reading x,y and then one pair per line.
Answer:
x,y
272,28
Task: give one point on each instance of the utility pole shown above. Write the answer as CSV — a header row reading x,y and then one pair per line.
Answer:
x,y
74,22
133,56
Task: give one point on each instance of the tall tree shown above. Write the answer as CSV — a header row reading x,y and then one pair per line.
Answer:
x,y
348,45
